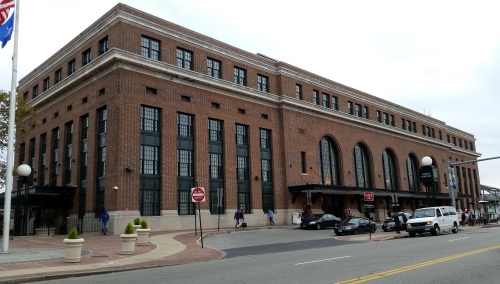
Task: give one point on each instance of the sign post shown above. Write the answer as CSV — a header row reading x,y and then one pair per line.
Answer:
x,y
369,197
220,194
198,195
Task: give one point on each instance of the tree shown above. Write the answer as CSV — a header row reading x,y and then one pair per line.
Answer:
x,y
24,114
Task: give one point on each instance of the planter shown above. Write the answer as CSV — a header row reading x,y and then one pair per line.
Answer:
x,y
143,237
73,251
128,243
45,231
136,227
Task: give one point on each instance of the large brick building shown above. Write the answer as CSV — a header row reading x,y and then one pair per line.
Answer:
x,y
135,111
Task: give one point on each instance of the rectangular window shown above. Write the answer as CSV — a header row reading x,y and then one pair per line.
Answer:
x,y
393,122
58,76
214,130
185,163
54,169
466,145
386,118
86,57
358,110
25,96
303,162
150,48
35,91
315,97
184,125
454,141
414,127
379,116
184,58
326,100
470,146
46,84
152,91
440,135
240,76
241,135
103,45
423,130
68,155
215,164
403,123
213,68
448,138
263,83
460,143
433,133
335,103
71,67
408,125
367,114
298,92
350,110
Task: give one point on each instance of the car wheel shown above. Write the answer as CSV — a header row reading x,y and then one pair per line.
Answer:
x,y
355,231
455,228
338,234
412,234
373,230
318,226
385,230
435,231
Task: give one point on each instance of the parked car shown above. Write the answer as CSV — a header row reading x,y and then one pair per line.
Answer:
x,y
355,225
320,221
390,225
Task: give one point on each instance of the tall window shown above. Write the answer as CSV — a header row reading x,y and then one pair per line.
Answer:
x,y
215,164
365,110
240,76
379,116
349,108
386,118
31,159
86,57
412,170
150,48
298,92
103,45
54,157
335,103
58,76
408,125
266,170
102,118
315,97
263,83
184,58
358,110
362,167
326,100
150,161
393,122
185,163
389,165
242,168
68,155
35,91
213,68
71,67
84,148
328,162
42,160
46,84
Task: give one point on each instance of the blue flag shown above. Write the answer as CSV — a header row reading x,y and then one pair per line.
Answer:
x,y
6,30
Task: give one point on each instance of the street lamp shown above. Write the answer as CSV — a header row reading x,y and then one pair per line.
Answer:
x,y
429,177
23,171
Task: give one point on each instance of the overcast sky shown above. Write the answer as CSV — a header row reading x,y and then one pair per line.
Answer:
x,y
441,58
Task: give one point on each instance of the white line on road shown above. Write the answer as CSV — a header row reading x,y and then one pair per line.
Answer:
x,y
314,261
458,239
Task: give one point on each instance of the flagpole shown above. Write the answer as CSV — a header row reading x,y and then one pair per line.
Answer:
x,y
10,142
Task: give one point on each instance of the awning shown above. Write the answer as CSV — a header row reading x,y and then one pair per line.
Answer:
x,y
36,194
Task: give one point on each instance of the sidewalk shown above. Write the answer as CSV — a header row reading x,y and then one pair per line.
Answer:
x,y
42,258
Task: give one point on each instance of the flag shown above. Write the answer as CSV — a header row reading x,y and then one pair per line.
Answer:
x,y
5,6
6,30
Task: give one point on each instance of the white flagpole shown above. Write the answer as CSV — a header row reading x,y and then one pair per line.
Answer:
x,y
10,142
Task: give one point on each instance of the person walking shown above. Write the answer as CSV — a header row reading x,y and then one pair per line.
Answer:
x,y
104,218
405,219
463,218
397,223
270,213
237,218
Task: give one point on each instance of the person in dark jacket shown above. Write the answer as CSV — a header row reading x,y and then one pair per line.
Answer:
x,y
104,218
397,223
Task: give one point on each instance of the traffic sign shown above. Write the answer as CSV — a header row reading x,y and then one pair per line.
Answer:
x,y
368,196
198,194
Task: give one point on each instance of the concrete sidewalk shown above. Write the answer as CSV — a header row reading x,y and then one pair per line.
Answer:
x,y
42,258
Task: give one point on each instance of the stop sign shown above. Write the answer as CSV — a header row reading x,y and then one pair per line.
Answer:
x,y
198,194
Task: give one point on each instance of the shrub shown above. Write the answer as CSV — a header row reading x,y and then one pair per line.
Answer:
x,y
73,234
129,229
137,221
144,224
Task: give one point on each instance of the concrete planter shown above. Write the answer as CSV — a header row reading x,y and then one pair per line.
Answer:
x,y
136,227
128,243
143,237
73,251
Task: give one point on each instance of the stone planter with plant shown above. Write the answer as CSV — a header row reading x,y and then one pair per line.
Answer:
x,y
143,234
128,240
137,224
73,246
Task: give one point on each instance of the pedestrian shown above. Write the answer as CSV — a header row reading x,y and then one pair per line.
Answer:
x,y
485,218
241,218
271,216
237,218
303,216
463,218
405,219
397,223
349,212
104,218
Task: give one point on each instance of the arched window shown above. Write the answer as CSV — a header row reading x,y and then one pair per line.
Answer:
x,y
362,167
391,181
328,162
411,167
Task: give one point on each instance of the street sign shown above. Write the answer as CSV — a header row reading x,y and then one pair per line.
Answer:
x,y
198,194
368,196
369,206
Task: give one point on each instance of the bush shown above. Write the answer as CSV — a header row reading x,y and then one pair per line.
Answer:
x,y
129,229
144,224
137,221
73,234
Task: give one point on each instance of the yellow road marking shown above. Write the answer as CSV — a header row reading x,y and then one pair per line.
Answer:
x,y
414,266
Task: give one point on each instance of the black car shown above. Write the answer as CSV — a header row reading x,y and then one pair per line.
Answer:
x,y
320,221
355,225
390,225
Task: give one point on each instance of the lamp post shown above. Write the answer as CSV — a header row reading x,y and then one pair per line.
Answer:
x,y
429,177
23,171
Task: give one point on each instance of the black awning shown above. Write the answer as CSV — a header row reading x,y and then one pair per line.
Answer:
x,y
37,193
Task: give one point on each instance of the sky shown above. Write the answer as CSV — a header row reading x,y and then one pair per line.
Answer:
x,y
440,58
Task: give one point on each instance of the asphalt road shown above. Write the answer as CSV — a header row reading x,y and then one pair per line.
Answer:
x,y
292,256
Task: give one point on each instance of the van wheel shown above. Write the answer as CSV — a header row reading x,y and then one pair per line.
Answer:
x,y
455,228
435,231
412,234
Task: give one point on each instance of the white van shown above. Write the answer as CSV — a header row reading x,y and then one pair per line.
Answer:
x,y
433,220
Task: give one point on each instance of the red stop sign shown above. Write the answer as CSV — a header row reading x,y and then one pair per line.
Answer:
x,y
198,194
368,196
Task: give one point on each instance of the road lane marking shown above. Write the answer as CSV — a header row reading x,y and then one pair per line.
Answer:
x,y
458,239
415,266
314,261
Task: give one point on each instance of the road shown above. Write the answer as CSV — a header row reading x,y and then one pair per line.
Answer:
x,y
297,256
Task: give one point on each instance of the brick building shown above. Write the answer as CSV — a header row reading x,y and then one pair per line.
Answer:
x,y
135,111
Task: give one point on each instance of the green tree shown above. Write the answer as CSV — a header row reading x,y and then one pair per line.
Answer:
x,y
24,122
